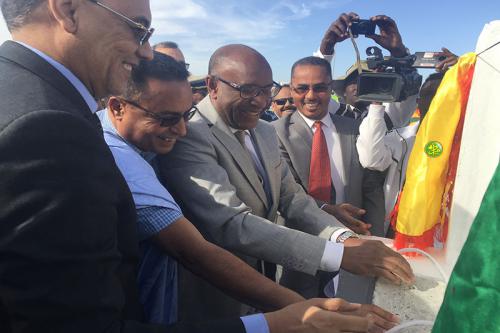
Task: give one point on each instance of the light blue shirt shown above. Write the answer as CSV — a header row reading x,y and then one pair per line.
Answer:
x,y
89,99
157,277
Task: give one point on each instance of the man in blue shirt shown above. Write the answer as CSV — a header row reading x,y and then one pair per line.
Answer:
x,y
146,121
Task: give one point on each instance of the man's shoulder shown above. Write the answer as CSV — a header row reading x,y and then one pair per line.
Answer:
x,y
282,125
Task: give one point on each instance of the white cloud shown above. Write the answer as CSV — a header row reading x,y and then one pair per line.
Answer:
x,y
201,26
4,33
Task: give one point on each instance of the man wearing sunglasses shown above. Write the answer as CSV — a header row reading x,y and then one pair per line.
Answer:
x,y
146,121
283,102
229,177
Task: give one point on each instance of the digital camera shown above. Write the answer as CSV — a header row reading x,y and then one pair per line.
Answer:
x,y
362,27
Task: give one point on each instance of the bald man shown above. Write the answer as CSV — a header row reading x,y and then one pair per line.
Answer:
x,y
230,179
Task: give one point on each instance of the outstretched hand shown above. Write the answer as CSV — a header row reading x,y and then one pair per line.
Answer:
x,y
320,315
450,60
373,258
389,37
349,215
337,32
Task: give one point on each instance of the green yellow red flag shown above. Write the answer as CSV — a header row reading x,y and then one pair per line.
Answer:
x,y
423,208
472,299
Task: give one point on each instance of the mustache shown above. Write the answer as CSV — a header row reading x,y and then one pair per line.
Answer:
x,y
290,108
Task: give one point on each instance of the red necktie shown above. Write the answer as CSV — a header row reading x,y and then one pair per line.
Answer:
x,y
320,179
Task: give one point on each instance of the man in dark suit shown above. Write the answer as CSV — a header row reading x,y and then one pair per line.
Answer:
x,y
67,220
320,149
68,241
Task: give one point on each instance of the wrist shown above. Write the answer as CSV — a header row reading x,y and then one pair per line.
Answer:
x,y
327,47
342,238
399,52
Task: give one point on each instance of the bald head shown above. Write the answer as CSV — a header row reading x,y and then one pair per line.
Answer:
x,y
233,71
234,57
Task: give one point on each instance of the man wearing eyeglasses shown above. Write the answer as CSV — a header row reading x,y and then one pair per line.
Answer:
x,y
145,121
68,241
230,179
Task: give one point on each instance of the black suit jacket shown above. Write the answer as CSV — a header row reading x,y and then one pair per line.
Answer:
x,y
68,244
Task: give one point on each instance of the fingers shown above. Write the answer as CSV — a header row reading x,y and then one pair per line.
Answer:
x,y
347,323
382,318
353,210
383,21
397,267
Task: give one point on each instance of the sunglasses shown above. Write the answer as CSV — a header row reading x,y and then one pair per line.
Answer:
x,y
167,119
141,32
319,88
282,101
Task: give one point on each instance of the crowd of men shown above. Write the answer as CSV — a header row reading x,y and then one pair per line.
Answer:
x,y
99,206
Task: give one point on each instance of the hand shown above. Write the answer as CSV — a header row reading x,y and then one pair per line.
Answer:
x,y
336,32
381,318
373,258
349,216
389,37
451,59
319,315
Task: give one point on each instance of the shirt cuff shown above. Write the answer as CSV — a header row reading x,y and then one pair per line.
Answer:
x,y
376,111
332,257
256,323
327,57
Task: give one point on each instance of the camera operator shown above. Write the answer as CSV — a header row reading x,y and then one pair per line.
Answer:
x,y
398,114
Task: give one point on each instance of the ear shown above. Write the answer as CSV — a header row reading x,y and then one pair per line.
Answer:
x,y
116,108
63,12
212,86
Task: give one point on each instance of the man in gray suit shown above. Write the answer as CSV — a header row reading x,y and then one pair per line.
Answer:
x,y
230,179
347,181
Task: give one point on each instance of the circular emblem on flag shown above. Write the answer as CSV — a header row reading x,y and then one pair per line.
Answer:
x,y
433,149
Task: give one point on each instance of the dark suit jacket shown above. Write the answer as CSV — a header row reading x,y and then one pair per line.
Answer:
x,y
68,244
363,188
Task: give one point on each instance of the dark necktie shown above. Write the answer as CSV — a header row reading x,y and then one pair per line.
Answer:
x,y
320,178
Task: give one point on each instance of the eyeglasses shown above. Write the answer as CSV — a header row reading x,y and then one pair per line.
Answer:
x,y
319,88
282,101
185,64
251,90
171,119
141,32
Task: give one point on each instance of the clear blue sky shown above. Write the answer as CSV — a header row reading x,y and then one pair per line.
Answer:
x,y
286,30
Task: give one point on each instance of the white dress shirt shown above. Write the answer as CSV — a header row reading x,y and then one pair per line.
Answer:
x,y
334,152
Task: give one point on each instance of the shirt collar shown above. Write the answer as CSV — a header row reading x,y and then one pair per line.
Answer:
x,y
84,92
109,129
326,120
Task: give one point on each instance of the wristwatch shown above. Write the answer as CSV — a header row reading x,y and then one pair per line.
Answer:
x,y
346,235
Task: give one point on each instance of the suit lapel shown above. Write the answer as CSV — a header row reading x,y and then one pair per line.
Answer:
x,y
301,140
223,134
29,60
265,153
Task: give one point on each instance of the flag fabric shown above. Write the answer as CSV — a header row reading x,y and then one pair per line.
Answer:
x,y
472,299
421,215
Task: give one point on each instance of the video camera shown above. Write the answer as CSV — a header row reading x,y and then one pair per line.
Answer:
x,y
394,79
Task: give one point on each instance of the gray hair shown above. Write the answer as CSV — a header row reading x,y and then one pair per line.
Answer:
x,y
18,12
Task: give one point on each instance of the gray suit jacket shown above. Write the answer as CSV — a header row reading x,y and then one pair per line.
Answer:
x,y
363,188
213,179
